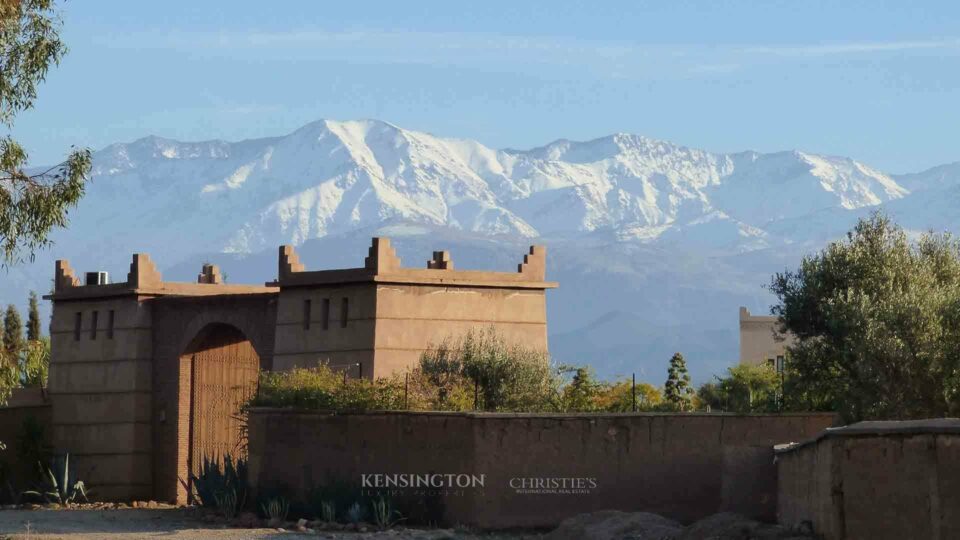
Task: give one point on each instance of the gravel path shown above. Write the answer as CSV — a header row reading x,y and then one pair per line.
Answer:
x,y
178,524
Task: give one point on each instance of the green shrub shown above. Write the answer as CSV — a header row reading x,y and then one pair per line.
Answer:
x,y
618,396
745,389
35,363
482,371
322,388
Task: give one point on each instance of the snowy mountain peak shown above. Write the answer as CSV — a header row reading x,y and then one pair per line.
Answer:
x,y
330,177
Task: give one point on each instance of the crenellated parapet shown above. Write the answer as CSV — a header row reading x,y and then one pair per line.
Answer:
x,y
64,277
381,258
210,275
289,262
143,278
441,261
143,273
383,265
534,263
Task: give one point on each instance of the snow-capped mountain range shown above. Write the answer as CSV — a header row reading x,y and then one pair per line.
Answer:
x,y
655,244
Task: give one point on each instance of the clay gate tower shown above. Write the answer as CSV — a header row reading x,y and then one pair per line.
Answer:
x,y
147,376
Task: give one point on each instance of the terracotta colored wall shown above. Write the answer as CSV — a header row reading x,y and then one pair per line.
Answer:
x,y
684,466
390,325
100,391
336,345
412,318
877,486
396,313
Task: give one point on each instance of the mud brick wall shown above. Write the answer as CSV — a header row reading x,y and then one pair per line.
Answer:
x,y
23,405
875,480
684,466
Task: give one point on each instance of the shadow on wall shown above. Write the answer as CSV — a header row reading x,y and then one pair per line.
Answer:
x,y
535,469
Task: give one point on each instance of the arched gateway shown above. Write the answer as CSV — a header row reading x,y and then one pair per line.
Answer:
x,y
209,352
222,368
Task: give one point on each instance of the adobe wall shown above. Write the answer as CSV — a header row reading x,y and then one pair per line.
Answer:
x,y
107,359
100,392
683,466
411,318
875,480
340,342
395,313
23,404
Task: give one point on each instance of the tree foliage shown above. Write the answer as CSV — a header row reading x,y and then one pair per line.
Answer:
x,y
12,332
479,371
617,396
877,322
31,204
33,319
583,390
324,388
23,363
677,391
745,389
35,363
500,376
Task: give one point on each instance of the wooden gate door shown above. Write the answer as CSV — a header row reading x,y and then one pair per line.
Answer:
x,y
224,377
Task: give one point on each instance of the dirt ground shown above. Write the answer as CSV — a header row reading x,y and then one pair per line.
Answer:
x,y
179,524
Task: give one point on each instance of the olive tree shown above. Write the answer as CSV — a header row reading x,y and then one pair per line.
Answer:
x,y
877,323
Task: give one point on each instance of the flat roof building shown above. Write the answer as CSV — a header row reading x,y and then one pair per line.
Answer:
x,y
759,341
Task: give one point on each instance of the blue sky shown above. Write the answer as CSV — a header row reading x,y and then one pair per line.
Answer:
x,y
877,81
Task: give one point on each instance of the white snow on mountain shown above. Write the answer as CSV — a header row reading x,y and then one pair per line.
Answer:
x,y
616,206
331,177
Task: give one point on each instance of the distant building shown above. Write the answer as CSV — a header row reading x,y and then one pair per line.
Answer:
x,y
759,341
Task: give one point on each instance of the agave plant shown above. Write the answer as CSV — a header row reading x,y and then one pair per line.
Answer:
x,y
227,503
355,513
328,511
276,509
217,486
384,516
60,483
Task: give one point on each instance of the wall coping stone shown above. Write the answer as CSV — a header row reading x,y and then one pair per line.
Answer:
x,y
927,426
572,416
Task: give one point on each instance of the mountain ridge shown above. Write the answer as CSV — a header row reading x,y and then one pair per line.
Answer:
x,y
643,233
